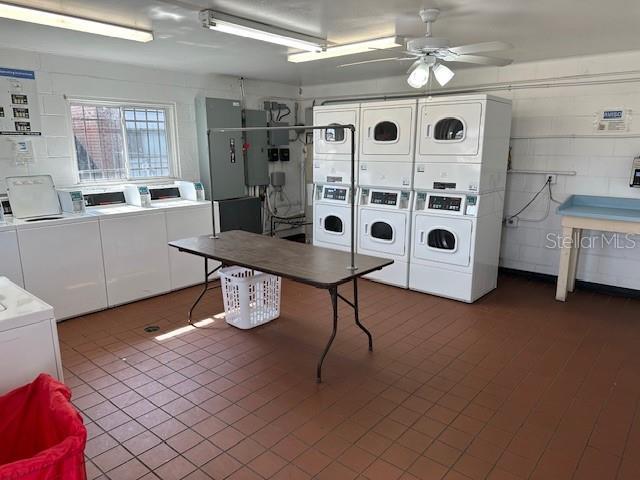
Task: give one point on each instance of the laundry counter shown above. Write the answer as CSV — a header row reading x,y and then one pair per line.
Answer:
x,y
586,212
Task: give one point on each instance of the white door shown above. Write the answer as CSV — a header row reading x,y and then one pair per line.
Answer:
x,y
10,266
332,224
449,129
442,239
334,142
62,265
387,130
136,256
383,232
187,269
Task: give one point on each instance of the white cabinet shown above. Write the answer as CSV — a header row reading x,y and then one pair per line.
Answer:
x,y
136,258
10,257
388,131
62,265
187,269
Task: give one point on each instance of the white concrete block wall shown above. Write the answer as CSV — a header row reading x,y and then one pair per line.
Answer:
x,y
60,78
552,129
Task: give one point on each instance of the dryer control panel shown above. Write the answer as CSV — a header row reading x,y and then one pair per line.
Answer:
x,y
446,204
332,194
393,199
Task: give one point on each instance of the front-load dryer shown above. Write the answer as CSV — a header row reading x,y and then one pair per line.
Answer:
x,y
462,143
332,146
332,217
387,143
384,228
455,244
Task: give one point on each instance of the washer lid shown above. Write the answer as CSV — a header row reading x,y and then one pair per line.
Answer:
x,y
19,308
33,196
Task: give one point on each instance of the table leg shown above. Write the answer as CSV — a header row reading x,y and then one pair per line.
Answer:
x,y
207,274
565,259
573,264
357,314
333,291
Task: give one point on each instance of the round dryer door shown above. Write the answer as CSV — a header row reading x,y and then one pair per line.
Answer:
x,y
333,224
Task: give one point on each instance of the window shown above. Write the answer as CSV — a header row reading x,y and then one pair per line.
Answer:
x,y
121,142
449,129
382,231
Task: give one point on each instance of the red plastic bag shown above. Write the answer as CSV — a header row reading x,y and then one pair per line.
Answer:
x,y
42,436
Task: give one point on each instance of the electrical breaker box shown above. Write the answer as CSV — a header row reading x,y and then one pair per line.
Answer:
x,y
278,137
220,154
19,104
257,162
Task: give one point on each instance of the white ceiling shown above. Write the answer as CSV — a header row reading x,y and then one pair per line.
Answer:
x,y
538,29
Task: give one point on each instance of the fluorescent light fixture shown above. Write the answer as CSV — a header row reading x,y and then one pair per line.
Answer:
x,y
347,49
443,74
59,20
243,27
419,74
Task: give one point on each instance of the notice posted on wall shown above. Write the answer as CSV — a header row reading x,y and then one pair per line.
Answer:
x,y
615,120
19,106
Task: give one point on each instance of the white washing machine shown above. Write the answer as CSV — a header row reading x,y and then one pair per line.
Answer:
x,y
29,338
384,230
455,244
332,146
387,143
462,143
332,217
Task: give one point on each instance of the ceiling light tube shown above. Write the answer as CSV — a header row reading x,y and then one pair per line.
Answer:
x,y
347,49
242,27
59,20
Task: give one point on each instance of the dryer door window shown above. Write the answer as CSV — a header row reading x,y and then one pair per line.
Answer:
x,y
334,135
449,129
385,132
441,239
333,224
334,143
382,231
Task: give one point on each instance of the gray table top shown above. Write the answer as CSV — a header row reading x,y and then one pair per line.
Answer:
x,y
317,266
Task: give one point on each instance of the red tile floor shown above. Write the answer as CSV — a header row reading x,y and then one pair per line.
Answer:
x,y
515,386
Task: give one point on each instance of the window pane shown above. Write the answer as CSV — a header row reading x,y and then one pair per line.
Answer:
x,y
147,142
99,144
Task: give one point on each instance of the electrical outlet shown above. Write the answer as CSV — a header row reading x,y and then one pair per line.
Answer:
x,y
552,178
512,222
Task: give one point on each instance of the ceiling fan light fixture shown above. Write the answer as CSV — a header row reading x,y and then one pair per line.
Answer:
x,y
443,74
347,49
243,27
418,75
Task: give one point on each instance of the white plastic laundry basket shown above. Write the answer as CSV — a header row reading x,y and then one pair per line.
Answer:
x,y
251,298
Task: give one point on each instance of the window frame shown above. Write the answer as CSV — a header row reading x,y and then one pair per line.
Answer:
x,y
170,126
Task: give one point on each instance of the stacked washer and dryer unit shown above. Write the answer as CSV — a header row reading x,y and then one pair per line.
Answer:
x,y
431,176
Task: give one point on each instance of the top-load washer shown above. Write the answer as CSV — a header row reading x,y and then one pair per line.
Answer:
x,y
462,143
384,226
332,146
387,143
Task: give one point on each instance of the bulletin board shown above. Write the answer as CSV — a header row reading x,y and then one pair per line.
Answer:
x,y
19,104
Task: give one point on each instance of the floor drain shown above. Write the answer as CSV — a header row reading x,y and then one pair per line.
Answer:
x,y
151,328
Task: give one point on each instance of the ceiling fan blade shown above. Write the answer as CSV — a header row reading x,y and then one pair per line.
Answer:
x,y
480,47
386,59
479,59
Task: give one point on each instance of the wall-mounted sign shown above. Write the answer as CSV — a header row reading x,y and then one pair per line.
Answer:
x,y
613,121
19,105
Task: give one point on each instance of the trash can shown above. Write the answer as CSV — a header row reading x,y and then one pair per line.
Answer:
x,y
251,298
42,436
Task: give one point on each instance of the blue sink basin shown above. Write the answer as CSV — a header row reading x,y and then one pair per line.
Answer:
x,y
606,208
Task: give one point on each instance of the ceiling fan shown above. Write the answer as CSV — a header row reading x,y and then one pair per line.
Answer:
x,y
430,53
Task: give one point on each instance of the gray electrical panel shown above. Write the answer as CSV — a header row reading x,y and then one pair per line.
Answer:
x,y
257,162
278,137
220,154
